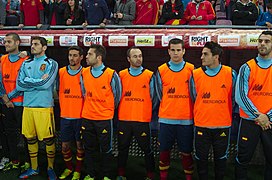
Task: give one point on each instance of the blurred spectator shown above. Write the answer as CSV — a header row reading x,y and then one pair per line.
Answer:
x,y
96,12
124,12
244,12
172,13
255,2
73,14
265,19
199,12
228,6
111,5
266,2
54,12
13,13
160,3
147,12
32,13
261,6
2,13
213,2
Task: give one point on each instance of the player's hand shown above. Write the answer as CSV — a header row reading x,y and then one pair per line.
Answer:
x,y
39,26
120,15
69,21
269,25
193,17
199,18
10,11
5,98
9,104
263,121
102,24
23,54
21,26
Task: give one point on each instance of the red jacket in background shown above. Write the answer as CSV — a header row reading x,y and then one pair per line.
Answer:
x,y
31,11
146,12
205,10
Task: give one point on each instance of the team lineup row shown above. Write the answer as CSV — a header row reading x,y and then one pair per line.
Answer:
x,y
195,108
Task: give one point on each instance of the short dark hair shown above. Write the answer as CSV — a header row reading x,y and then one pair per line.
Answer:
x,y
266,33
77,48
128,51
14,35
215,48
42,40
176,41
99,50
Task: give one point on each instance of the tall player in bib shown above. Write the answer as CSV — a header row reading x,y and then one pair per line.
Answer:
x,y
176,109
135,112
254,97
212,90
102,89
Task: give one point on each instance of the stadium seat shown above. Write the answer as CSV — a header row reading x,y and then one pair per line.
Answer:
x,y
217,8
221,15
223,22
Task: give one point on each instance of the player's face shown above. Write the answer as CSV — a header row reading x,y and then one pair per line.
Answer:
x,y
10,44
37,48
74,57
91,58
207,58
136,58
176,52
265,45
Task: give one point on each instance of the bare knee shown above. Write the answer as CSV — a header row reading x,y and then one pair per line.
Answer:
x,y
65,146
